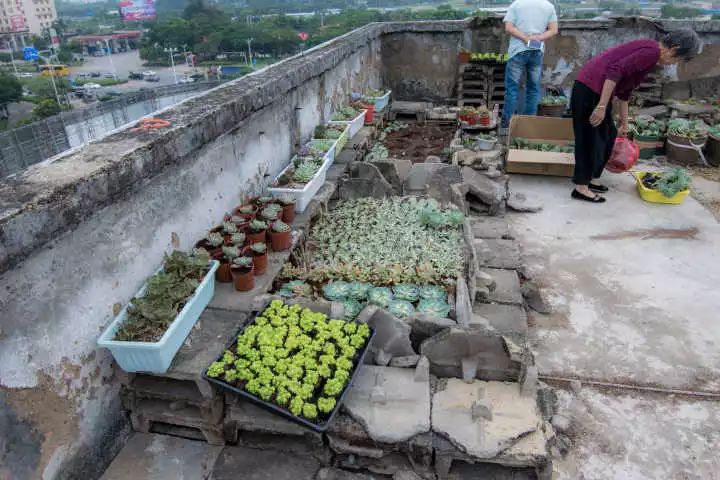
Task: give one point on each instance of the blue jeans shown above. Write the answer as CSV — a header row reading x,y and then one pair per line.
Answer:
x,y
527,63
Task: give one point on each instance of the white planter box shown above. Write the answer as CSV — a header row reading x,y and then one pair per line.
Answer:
x,y
156,357
381,102
302,197
355,124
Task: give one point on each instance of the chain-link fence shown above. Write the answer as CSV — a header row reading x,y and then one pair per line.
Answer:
x,y
25,146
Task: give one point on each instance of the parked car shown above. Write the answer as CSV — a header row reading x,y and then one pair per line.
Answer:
x,y
186,80
108,75
135,75
150,76
91,86
95,74
25,75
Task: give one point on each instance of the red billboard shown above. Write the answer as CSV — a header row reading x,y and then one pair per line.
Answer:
x,y
137,10
17,23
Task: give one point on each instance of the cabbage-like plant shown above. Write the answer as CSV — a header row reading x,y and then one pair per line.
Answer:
x,y
401,308
406,291
352,308
432,292
358,290
380,296
439,308
295,288
336,291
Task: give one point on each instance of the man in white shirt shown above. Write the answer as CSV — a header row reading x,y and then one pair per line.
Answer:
x,y
531,23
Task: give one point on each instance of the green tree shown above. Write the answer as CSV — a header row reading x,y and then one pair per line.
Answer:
x,y
10,91
46,107
42,86
41,43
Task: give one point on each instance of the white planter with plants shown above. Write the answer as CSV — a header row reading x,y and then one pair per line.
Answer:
x,y
300,181
338,133
485,142
148,332
349,116
379,99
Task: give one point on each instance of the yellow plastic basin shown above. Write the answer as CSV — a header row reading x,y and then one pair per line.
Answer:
x,y
655,196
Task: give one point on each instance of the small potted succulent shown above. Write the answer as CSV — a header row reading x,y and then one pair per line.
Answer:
x,y
262,201
223,272
468,115
246,210
280,236
288,209
212,243
552,106
257,231
242,274
229,229
271,212
259,257
483,115
238,239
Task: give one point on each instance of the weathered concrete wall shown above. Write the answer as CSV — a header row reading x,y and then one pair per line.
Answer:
x,y
83,233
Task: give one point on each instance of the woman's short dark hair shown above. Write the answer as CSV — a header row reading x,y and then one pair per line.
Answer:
x,y
685,41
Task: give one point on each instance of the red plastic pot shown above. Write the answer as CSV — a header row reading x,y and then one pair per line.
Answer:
x,y
485,121
243,279
280,240
223,273
464,57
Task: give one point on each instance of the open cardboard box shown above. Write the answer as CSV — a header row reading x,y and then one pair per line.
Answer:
x,y
557,131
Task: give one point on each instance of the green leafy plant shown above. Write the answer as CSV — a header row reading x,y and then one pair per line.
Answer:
x,y
358,290
647,126
401,308
257,226
381,296
214,239
669,183
432,292
246,209
149,316
344,114
524,144
406,291
715,131
439,308
551,100
291,356
242,262
258,248
352,308
237,238
200,251
305,172
229,228
336,291
230,252
682,127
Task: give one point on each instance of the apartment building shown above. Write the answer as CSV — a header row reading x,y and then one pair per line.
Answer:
x,y
20,18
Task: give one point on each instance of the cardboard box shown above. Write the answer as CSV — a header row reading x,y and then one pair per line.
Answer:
x,y
557,131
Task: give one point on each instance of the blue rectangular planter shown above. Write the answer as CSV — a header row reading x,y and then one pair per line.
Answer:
x,y
381,102
156,357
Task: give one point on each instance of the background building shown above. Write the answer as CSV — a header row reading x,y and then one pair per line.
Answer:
x,y
21,18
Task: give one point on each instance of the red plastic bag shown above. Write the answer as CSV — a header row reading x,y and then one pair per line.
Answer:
x,y
624,154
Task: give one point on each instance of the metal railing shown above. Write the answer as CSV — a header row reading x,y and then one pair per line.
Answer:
x,y
38,141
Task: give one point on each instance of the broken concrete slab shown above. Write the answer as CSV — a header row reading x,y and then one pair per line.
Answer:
x,y
418,179
513,417
504,319
425,326
441,182
254,464
507,286
455,351
520,203
463,303
160,457
392,337
389,171
337,474
405,362
496,253
490,192
406,475
246,416
534,299
390,403
433,159
491,227
355,188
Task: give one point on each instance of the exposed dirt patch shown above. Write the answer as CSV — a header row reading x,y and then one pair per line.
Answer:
x,y
419,141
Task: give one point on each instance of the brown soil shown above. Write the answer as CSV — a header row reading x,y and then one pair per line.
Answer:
x,y
419,141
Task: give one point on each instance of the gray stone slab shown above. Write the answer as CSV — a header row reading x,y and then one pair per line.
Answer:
x,y
491,192
505,319
491,227
496,253
338,474
424,326
392,337
161,457
513,417
391,403
419,177
336,171
507,286
455,352
255,464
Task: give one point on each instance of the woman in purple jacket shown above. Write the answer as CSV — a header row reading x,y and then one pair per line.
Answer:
x,y
615,72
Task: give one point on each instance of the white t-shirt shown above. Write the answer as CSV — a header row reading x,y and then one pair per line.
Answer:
x,y
531,17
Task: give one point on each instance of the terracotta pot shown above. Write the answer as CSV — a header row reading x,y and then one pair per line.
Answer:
x,y
288,213
369,114
260,262
280,240
464,57
251,238
223,273
243,279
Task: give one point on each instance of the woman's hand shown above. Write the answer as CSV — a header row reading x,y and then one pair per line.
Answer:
x,y
598,115
623,130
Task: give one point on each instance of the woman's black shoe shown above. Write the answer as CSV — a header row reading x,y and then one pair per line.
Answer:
x,y
579,196
598,188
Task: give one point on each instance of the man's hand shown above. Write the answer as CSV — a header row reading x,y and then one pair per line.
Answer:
x,y
534,37
598,115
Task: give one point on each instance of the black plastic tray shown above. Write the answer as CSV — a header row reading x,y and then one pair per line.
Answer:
x,y
318,427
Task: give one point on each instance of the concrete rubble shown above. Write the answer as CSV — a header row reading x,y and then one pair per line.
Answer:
x,y
392,336
491,192
391,403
